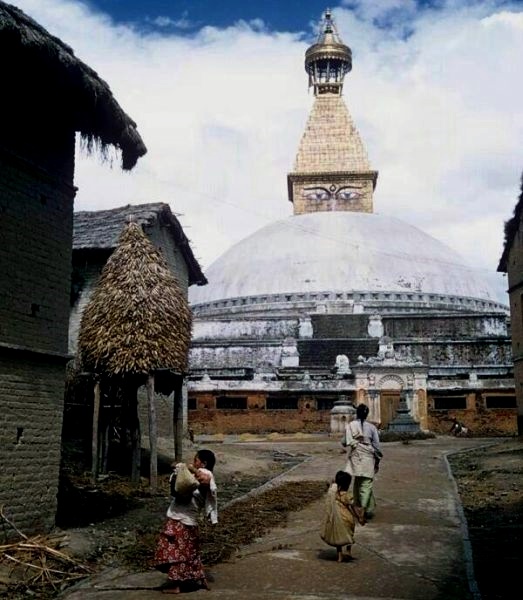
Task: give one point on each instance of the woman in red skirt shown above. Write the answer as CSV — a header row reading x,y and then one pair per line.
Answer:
x,y
178,552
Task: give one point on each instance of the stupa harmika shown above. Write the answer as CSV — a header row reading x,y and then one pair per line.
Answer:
x,y
337,302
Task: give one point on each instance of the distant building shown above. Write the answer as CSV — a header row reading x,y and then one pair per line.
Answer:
x,y
47,96
511,262
339,303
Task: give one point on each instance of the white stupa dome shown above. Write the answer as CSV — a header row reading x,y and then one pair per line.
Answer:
x,y
339,257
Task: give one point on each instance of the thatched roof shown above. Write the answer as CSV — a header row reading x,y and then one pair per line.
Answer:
x,y
45,85
512,226
100,230
138,319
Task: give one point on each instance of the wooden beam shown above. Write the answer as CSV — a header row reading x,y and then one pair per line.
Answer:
x,y
94,441
153,433
178,420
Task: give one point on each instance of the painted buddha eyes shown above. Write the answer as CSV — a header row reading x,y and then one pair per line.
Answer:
x,y
317,194
348,194
321,194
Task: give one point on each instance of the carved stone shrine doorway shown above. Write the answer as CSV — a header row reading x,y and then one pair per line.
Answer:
x,y
389,402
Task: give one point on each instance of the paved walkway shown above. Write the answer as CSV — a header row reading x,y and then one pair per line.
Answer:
x,y
415,548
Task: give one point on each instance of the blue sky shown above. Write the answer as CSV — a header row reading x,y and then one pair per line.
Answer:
x,y
220,96
190,15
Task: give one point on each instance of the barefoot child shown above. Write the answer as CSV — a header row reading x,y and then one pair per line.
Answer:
x,y
340,516
178,552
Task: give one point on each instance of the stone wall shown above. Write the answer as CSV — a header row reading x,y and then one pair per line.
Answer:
x,y
234,354
340,326
249,329
447,327
494,352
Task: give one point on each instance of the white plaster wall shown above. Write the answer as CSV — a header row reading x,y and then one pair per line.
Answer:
x,y
234,356
244,329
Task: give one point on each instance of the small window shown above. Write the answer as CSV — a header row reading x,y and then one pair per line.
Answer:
x,y
231,402
500,402
282,403
191,403
450,402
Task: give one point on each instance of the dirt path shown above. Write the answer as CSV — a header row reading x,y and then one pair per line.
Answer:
x,y
489,480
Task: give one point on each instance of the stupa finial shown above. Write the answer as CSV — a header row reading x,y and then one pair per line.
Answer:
x,y
328,60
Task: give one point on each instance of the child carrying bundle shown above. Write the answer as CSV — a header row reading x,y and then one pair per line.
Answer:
x,y
341,516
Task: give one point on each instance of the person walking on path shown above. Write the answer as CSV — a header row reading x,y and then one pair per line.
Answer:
x,y
178,553
363,456
340,517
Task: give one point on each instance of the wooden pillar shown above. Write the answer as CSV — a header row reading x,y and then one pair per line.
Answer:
x,y
178,419
94,441
136,450
153,432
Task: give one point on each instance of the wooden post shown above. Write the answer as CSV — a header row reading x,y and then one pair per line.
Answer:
x,y
136,446
153,431
178,420
94,441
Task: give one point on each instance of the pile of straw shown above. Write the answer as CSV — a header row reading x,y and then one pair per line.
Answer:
x,y
34,564
138,319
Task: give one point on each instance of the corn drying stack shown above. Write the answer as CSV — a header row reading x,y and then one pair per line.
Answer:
x,y
138,319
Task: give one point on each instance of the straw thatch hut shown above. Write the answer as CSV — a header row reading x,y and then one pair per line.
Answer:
x,y
511,263
137,324
48,95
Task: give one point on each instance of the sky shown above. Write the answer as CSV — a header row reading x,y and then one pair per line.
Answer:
x,y
220,97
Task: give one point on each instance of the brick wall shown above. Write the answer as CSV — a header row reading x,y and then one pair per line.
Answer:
x,y
31,400
515,283
209,421
36,210
35,256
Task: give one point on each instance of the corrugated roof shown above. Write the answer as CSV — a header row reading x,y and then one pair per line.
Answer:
x,y
101,229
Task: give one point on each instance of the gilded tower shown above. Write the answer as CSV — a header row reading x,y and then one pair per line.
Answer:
x,y
332,171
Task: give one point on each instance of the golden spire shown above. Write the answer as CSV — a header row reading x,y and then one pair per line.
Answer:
x,y
332,171
328,60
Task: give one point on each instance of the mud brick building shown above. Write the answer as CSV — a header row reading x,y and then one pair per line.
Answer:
x,y
337,302
47,96
511,262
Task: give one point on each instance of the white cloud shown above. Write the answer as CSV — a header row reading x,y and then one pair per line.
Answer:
x,y
222,113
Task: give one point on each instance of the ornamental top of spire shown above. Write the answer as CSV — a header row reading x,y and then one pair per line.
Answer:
x,y
328,60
